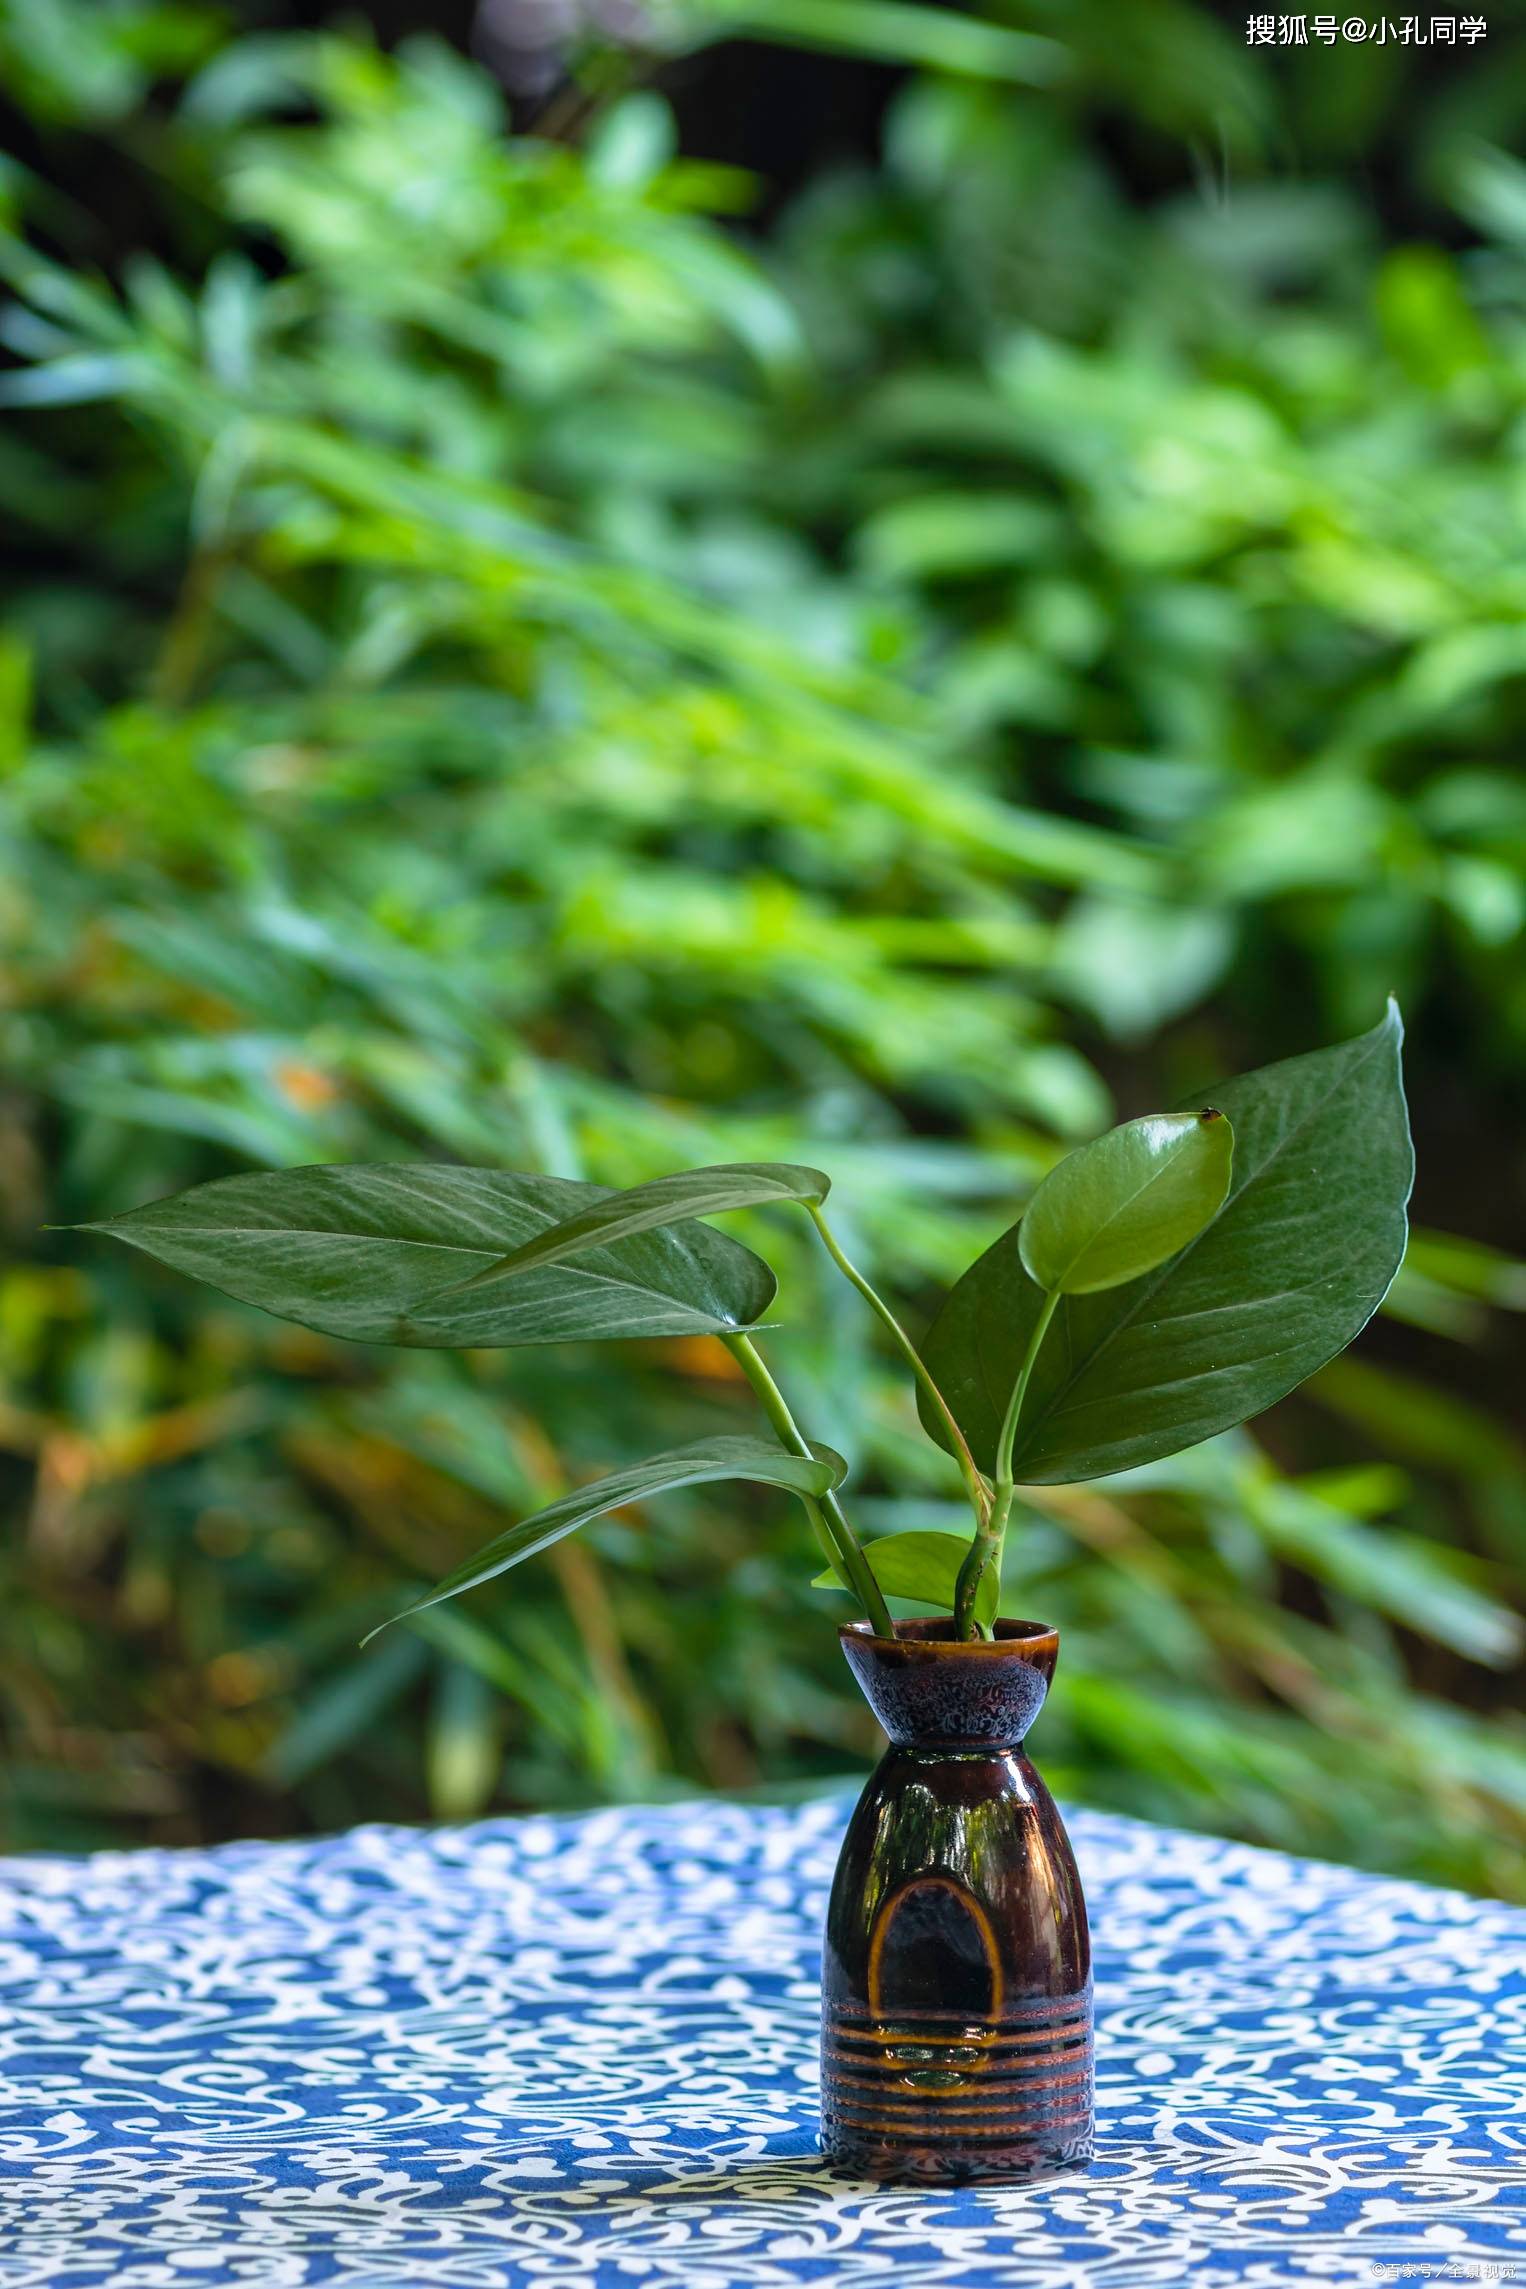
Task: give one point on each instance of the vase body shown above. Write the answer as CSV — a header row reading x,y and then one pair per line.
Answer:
x,y
956,1975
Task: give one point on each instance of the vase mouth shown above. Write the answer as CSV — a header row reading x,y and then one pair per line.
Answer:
x,y
930,1633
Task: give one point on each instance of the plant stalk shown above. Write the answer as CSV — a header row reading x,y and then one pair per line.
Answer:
x,y
974,1484
986,1545
827,1516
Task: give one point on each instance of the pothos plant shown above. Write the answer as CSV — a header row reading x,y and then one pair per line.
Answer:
x,y
1168,1280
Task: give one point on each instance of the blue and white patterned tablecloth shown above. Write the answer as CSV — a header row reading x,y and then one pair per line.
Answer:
x,y
584,2051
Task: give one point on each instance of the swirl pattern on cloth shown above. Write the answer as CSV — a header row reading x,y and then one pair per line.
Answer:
x,y
556,2051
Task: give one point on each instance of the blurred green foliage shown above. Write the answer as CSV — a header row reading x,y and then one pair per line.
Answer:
x,y
505,665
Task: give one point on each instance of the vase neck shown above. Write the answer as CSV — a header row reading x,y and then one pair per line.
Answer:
x,y
934,1692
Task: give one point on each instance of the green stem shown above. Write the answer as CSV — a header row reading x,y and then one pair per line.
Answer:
x,y
974,1484
1005,1443
822,1532
985,1548
827,1515
984,1552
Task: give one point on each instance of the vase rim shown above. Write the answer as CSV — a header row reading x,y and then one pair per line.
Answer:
x,y
1012,1635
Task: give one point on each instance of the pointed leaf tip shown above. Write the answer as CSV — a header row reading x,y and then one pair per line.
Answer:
x,y
701,1461
375,1253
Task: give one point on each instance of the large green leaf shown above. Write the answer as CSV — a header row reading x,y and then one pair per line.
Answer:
x,y
367,1252
922,1564
692,1465
1294,1264
648,1207
1114,1209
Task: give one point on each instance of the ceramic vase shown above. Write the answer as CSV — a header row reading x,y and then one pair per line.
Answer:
x,y
956,1978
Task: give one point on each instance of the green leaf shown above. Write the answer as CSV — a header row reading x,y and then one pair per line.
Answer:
x,y
923,1565
889,30
1292,1267
1114,1209
365,1253
692,1465
1426,1588
666,1200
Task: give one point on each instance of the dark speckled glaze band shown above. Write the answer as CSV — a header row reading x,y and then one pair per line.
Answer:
x,y
956,1978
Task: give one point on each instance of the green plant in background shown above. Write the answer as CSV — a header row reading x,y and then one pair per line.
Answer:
x,y
1221,1296
503,673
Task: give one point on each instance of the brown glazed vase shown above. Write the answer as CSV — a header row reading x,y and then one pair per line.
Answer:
x,y
956,2014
